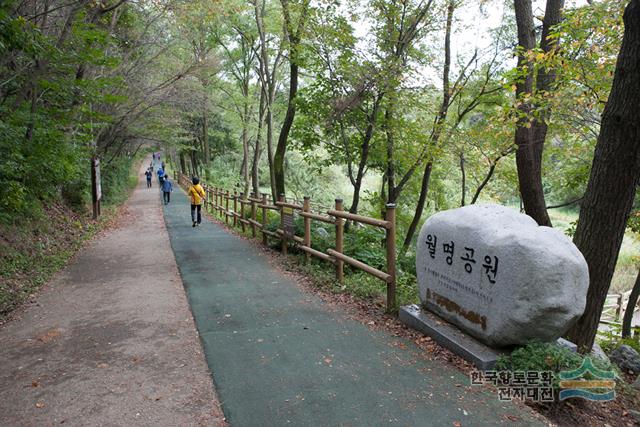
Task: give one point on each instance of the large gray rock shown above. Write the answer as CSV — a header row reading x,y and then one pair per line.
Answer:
x,y
499,276
626,358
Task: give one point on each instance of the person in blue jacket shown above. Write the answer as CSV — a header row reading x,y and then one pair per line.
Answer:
x,y
160,176
167,188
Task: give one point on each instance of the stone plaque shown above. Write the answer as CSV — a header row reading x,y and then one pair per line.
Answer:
x,y
497,275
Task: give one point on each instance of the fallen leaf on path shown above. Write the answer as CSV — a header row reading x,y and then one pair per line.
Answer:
x,y
40,405
35,383
49,335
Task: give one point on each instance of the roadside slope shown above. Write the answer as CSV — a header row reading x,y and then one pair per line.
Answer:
x,y
111,339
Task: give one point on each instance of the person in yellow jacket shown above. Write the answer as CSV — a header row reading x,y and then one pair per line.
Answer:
x,y
197,195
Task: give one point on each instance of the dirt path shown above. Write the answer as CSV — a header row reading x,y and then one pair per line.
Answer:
x,y
111,341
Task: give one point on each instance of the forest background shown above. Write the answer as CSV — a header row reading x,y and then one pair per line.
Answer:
x,y
430,105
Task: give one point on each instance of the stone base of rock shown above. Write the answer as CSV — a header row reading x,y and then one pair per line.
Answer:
x,y
450,337
459,342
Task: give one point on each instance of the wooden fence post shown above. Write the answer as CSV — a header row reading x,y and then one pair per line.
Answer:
x,y
235,208
306,207
242,211
226,207
619,302
217,197
284,234
221,199
264,218
390,243
339,243
253,214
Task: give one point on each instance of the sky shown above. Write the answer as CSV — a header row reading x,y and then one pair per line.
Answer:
x,y
473,23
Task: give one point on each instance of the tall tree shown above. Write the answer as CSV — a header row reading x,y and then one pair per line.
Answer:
x,y
612,183
532,125
293,34
241,62
453,91
268,75
403,24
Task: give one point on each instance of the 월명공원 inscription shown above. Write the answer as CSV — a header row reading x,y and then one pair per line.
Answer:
x,y
499,276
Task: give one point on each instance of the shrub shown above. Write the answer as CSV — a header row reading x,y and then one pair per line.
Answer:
x,y
539,356
610,340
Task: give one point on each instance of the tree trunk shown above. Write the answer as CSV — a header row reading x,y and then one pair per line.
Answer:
x,y
255,171
294,37
464,180
245,138
355,201
631,305
484,182
364,156
435,133
183,164
281,148
268,81
531,132
422,200
272,175
194,163
205,138
391,166
612,183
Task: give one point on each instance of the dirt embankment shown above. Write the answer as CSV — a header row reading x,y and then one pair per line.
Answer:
x,y
33,249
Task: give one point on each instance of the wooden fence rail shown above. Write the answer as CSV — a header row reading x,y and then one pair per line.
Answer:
x,y
218,201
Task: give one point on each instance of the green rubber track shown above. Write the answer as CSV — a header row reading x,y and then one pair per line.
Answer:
x,y
280,356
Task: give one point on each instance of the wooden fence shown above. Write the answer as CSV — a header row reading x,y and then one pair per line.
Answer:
x,y
614,308
239,210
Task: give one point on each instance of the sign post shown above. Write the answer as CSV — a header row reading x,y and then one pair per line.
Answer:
x,y
96,188
288,225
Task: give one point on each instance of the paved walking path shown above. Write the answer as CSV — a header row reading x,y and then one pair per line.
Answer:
x,y
279,356
111,341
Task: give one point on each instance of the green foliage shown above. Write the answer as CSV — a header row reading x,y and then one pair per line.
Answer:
x,y
539,356
610,340
116,180
366,244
